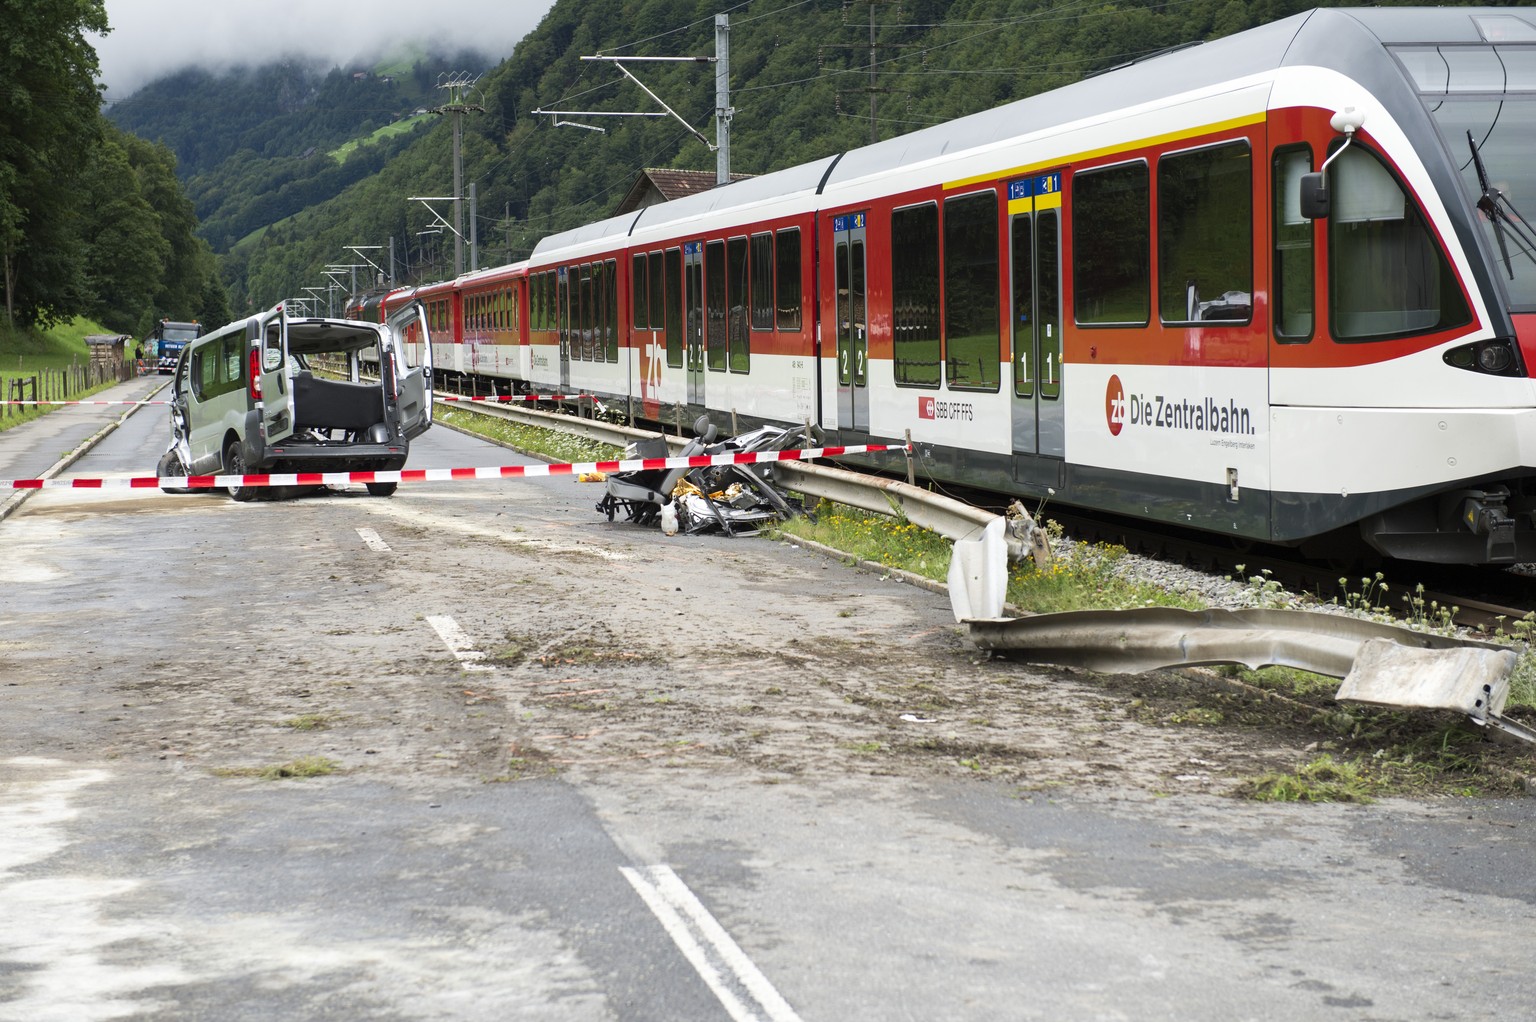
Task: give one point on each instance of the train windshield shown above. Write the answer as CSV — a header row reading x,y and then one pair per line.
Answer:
x,y
1483,100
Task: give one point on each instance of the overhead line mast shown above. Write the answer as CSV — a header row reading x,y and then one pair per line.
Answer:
x,y
457,85
723,109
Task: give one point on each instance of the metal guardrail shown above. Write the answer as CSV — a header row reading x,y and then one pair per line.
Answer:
x,y
1379,664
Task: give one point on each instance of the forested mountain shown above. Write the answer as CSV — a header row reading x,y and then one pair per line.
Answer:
x,y
255,145
802,76
92,221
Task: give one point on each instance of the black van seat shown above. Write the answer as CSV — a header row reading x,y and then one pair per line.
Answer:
x,y
333,404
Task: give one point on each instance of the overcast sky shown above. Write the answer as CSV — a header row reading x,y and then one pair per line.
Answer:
x,y
150,38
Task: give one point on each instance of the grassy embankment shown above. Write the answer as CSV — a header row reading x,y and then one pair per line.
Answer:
x,y
25,353
1361,752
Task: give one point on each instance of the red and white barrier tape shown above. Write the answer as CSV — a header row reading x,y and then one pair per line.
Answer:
x,y
418,475
440,397
84,402
518,397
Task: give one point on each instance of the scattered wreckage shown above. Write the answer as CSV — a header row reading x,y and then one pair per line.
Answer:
x,y
737,500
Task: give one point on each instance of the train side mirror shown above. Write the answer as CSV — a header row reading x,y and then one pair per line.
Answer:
x,y
1316,200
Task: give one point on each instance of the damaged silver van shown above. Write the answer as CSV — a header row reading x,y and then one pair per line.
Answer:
x,y
270,395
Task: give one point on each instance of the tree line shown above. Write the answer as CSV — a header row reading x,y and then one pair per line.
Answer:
x,y
93,221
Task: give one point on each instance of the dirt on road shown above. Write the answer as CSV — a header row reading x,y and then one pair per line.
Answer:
x,y
596,647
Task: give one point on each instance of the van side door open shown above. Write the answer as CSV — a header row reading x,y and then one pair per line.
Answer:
x,y
407,331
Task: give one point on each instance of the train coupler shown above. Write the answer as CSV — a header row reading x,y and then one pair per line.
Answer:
x,y
1486,513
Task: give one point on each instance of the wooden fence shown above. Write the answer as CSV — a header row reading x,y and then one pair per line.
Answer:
x,y
59,384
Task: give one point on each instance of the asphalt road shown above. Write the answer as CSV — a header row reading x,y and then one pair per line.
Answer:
x,y
151,646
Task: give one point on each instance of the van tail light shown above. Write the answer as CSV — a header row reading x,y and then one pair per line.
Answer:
x,y
255,375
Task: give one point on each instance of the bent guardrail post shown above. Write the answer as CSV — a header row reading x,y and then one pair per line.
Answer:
x,y
1380,664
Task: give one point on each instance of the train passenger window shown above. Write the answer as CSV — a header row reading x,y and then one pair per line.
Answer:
x,y
581,315
1205,235
611,311
674,307
1293,283
597,315
639,292
714,305
762,282
916,349
787,279
972,295
593,313
1111,246
657,280
1388,277
736,294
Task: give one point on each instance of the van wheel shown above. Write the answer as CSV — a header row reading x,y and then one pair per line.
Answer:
x,y
381,489
170,465
234,465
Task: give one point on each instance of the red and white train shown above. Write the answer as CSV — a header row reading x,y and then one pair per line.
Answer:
x,y
1273,287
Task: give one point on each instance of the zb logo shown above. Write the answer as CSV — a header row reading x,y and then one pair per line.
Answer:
x,y
1114,406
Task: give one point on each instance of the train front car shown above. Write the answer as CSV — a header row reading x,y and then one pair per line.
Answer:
x,y
1262,287
1408,405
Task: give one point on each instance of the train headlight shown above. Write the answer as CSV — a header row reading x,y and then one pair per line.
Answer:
x,y
1496,358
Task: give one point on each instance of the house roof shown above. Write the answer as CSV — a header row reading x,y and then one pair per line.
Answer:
x,y
660,184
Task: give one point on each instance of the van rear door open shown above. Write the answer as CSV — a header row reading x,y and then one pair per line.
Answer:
x,y
276,389
407,329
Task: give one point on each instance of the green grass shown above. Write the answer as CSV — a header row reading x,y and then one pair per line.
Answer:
x,y
399,127
307,722
27,353
1081,577
304,766
535,440
1324,779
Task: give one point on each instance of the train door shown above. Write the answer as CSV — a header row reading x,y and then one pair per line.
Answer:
x,y
1034,208
563,324
693,308
852,322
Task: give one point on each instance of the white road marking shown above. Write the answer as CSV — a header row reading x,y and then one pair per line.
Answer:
x,y
691,928
372,541
459,643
